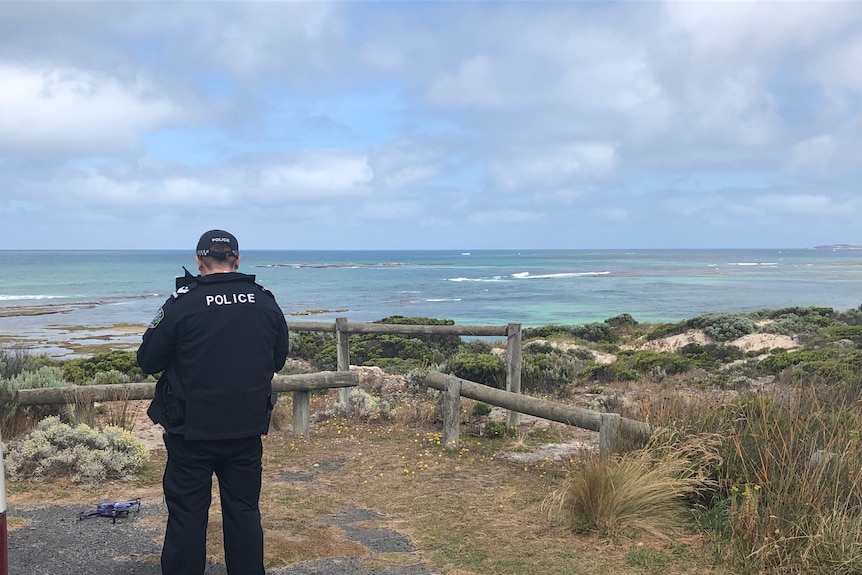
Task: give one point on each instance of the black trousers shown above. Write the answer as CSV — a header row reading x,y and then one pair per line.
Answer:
x,y
188,493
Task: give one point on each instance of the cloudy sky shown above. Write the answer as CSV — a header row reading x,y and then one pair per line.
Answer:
x,y
430,125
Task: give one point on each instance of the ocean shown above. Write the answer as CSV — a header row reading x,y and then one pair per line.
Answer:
x,y
57,295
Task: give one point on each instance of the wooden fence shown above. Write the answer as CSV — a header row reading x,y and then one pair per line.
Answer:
x,y
342,330
609,425
301,385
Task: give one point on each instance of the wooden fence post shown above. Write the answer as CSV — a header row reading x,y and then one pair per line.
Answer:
x,y
4,536
451,409
342,340
513,368
301,409
608,427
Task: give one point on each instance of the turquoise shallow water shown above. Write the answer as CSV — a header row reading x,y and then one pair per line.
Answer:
x,y
104,288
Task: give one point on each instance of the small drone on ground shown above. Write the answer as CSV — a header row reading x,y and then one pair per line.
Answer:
x,y
112,509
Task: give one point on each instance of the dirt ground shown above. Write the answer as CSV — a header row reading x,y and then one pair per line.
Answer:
x,y
55,541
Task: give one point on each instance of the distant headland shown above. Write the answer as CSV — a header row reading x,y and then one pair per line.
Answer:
x,y
839,247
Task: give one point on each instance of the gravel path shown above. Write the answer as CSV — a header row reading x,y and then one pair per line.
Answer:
x,y
54,541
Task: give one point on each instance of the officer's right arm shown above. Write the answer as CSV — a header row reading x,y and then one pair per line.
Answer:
x,y
157,348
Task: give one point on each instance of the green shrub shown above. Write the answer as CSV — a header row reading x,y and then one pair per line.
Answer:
x,y
477,346
494,429
831,364
445,345
795,320
319,349
538,347
14,418
851,332
595,332
43,377
609,373
111,377
83,370
484,368
480,409
395,364
548,332
15,360
645,361
849,317
390,351
88,456
663,330
622,321
362,405
548,370
723,326
710,356
366,349
814,315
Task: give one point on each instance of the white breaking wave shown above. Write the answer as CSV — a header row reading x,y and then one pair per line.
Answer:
x,y
29,297
528,276
433,299
489,279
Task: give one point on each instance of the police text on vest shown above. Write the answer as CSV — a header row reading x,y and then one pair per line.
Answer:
x,y
229,299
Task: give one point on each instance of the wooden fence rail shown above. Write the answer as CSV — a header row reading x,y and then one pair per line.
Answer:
x,y
609,425
301,385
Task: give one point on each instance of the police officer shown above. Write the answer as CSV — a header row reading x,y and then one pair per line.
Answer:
x,y
218,341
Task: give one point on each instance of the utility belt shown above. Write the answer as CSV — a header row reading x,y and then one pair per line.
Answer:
x,y
175,408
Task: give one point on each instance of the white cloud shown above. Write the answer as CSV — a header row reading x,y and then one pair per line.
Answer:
x,y
839,66
721,30
109,190
313,176
474,83
405,163
448,113
71,111
544,170
687,206
814,153
801,204
379,55
394,210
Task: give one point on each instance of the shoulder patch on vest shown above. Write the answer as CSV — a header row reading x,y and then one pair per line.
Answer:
x,y
160,315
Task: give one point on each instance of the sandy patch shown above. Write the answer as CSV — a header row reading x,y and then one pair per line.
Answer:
x,y
752,341
756,341
675,342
